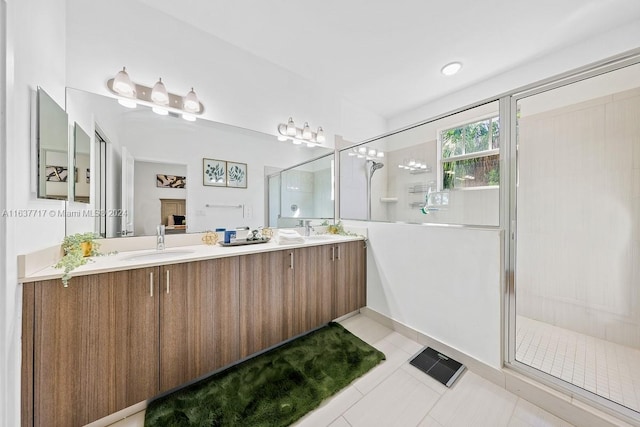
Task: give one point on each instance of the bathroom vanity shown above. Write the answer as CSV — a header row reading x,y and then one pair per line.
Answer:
x,y
129,328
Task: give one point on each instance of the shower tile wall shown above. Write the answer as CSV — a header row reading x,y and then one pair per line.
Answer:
x,y
578,243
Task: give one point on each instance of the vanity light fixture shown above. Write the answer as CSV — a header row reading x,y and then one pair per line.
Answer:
x,y
451,68
122,84
158,98
191,102
298,136
159,93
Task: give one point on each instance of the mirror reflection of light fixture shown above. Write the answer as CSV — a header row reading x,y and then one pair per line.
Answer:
x,y
414,166
130,95
366,152
298,136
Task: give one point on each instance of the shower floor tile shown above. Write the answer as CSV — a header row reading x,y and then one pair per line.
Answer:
x,y
607,369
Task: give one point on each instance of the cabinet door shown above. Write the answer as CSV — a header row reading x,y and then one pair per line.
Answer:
x,y
83,337
313,293
199,319
266,300
350,274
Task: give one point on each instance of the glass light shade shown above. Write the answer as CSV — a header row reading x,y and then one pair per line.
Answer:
x,y
282,138
306,131
159,93
122,84
362,150
412,162
320,135
372,152
191,102
291,127
380,154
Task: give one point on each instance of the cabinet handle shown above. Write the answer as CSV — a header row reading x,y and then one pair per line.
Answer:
x,y
167,281
291,260
338,253
333,253
151,283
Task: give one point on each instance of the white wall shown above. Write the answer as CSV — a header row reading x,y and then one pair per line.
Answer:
x,y
444,282
35,56
235,87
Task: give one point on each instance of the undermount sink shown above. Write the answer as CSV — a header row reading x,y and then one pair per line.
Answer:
x,y
320,237
157,255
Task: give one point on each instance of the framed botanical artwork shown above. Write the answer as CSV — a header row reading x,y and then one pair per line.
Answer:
x,y
214,172
236,175
170,181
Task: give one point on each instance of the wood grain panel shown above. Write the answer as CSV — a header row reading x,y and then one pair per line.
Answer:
x,y
28,308
175,334
73,375
199,320
313,293
266,300
136,335
350,282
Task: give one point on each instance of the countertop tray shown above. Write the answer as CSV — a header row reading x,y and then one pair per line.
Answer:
x,y
243,242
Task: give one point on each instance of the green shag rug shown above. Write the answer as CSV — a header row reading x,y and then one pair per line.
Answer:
x,y
273,389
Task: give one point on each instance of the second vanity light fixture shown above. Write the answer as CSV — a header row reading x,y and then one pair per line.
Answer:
x,y
303,135
162,102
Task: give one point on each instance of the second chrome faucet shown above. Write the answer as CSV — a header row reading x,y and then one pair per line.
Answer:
x,y
160,237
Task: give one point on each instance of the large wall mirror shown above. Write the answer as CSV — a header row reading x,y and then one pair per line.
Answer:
x,y
146,169
304,191
53,153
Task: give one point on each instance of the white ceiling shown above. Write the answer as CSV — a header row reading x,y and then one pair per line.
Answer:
x,y
386,55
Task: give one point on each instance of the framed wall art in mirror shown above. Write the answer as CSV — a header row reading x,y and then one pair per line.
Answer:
x,y
236,175
214,172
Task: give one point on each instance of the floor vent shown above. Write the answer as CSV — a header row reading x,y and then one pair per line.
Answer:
x,y
438,366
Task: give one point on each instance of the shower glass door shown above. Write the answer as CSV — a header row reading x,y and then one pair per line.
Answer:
x,y
577,246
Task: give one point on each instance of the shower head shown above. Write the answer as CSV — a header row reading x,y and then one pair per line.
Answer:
x,y
375,165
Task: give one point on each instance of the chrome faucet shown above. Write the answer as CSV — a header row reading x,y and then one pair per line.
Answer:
x,y
307,226
160,237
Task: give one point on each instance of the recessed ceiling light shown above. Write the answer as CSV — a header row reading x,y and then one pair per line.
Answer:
x,y
451,68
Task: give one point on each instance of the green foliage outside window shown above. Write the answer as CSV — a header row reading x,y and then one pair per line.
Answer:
x,y
479,138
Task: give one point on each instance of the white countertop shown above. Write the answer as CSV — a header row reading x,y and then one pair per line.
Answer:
x,y
119,261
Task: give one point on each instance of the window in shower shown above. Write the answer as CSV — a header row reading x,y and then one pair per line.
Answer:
x,y
470,154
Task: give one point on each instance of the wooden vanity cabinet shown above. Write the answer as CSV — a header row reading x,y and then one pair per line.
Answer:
x,y
313,294
266,300
199,319
350,270
112,340
95,346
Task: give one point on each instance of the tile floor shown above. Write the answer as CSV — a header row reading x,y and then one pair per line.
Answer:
x,y
396,394
608,369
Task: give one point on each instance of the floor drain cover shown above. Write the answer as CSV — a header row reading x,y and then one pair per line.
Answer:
x,y
438,366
